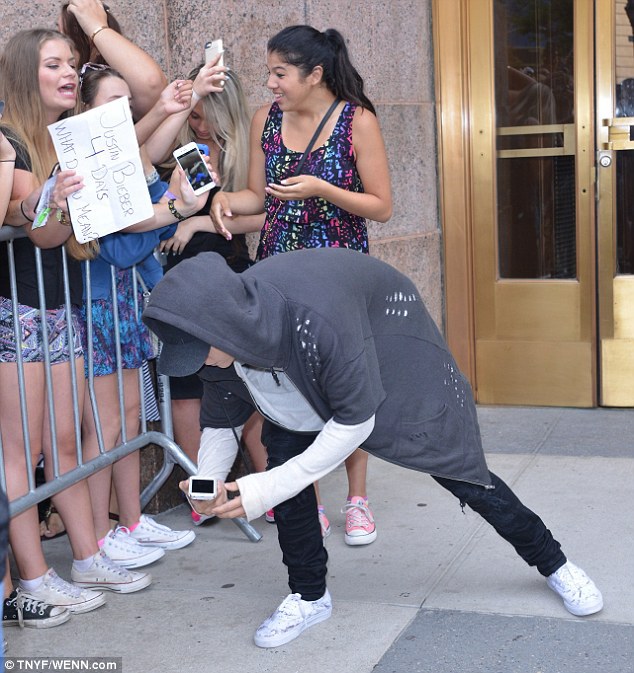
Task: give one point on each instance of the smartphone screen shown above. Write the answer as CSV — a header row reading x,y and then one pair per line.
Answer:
x,y
1,107
206,486
195,170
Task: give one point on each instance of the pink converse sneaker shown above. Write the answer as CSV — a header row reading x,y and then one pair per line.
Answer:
x,y
198,519
323,521
360,527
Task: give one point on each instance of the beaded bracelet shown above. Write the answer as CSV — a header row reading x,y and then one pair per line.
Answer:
x,y
61,217
26,217
175,213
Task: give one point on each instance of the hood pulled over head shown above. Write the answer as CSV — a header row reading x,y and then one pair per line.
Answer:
x,y
202,302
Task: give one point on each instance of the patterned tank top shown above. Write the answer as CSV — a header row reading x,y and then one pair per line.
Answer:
x,y
315,222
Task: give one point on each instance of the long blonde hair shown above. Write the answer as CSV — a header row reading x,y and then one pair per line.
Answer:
x,y
24,114
228,119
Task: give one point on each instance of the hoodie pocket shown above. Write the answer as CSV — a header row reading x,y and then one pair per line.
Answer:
x,y
434,444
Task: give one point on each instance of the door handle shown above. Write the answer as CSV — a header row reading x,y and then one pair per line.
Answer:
x,y
620,133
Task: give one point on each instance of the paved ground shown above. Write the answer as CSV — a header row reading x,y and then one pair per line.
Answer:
x,y
438,592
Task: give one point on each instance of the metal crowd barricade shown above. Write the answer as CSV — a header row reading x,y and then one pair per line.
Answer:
x,y
172,453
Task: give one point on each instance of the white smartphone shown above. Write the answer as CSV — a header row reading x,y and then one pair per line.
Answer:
x,y
191,161
212,49
201,488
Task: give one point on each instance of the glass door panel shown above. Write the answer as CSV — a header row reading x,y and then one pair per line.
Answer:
x,y
532,137
534,111
615,204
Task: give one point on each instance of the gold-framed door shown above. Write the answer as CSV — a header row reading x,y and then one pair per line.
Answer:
x,y
615,207
531,332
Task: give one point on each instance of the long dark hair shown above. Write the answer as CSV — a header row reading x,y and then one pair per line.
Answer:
x,y
305,47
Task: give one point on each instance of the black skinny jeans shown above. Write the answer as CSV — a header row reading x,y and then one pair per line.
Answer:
x,y
299,532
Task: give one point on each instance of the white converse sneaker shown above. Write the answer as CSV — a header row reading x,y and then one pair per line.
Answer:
x,y
56,591
150,533
125,551
104,573
580,594
293,616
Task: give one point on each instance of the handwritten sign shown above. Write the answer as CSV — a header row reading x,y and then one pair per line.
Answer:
x,y
101,146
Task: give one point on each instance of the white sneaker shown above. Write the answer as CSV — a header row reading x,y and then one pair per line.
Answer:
x,y
292,618
150,533
580,593
125,551
56,591
104,573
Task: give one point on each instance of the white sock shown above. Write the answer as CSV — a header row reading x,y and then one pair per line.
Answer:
x,y
81,565
32,585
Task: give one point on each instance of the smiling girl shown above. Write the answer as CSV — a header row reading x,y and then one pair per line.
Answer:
x,y
38,81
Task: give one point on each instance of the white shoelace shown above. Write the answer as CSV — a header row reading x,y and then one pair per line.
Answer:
x,y
121,537
290,609
148,522
56,583
105,562
358,515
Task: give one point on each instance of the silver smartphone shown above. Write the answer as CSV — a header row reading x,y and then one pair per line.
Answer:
x,y
191,161
201,488
212,49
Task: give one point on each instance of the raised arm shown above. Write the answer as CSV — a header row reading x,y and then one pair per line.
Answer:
x,y
174,100
142,73
161,142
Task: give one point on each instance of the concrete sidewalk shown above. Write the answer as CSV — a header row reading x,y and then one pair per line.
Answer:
x,y
437,592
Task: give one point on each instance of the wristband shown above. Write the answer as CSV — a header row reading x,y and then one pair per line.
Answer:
x,y
152,177
180,217
195,98
7,161
26,217
96,32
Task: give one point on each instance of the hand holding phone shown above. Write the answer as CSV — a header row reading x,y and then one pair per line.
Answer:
x,y
190,159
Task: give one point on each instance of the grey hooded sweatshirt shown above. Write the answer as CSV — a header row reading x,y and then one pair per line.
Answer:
x,y
352,335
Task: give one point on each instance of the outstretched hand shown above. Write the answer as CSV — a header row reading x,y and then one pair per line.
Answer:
x,y
222,506
219,210
177,96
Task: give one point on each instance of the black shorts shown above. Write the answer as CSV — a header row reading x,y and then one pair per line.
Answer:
x,y
186,387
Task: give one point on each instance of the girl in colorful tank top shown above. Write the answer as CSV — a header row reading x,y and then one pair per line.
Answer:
x,y
312,222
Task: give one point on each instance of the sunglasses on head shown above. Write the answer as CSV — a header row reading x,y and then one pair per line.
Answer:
x,y
91,66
